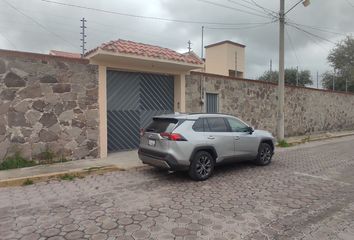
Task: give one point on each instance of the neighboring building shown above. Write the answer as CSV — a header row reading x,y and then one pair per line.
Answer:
x,y
225,58
64,54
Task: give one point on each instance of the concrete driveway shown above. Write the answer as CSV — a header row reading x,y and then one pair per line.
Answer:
x,y
306,193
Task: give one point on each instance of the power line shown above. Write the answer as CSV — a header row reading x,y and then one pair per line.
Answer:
x,y
245,6
309,33
266,10
350,3
239,28
292,46
141,16
233,8
8,40
318,29
37,23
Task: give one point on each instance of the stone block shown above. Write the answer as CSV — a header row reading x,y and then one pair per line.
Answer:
x,y
61,88
13,80
4,107
39,105
32,91
33,116
8,94
66,116
2,67
22,106
48,119
48,79
17,119
47,136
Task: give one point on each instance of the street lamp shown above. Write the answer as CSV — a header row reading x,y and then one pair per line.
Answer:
x,y
281,89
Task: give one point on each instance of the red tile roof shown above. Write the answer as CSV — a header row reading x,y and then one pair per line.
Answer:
x,y
64,54
146,50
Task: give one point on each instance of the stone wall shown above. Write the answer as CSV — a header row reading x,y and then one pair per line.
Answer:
x,y
306,110
48,104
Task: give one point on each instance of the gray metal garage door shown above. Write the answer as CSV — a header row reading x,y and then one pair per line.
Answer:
x,y
132,100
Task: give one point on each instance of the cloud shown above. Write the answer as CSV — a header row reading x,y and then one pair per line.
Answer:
x,y
261,42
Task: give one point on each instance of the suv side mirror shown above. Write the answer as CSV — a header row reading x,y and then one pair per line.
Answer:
x,y
250,130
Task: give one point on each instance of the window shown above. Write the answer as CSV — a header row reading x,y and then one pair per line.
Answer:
x,y
160,125
236,125
216,124
198,126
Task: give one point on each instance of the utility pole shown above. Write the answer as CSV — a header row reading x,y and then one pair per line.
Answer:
x,y
297,75
83,37
202,50
189,46
346,84
236,64
280,112
317,79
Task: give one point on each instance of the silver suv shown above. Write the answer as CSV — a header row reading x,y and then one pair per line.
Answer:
x,y
198,142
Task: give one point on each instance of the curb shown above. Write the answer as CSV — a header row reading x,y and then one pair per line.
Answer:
x,y
50,176
304,140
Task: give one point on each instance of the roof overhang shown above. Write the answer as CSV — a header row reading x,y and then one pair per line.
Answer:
x,y
140,63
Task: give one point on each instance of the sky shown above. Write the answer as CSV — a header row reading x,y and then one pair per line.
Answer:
x,y
311,32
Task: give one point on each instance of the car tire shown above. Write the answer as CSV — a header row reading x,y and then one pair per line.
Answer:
x,y
202,166
265,154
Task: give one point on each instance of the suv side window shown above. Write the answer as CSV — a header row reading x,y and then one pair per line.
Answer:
x,y
198,126
216,124
236,125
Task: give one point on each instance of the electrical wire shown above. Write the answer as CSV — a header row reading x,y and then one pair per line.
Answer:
x,y
321,29
266,10
309,33
140,16
8,40
292,46
233,8
237,28
38,23
245,6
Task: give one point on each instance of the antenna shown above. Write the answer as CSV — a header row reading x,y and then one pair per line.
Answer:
x,y
202,50
83,37
189,46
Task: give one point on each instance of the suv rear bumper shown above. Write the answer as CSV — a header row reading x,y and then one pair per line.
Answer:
x,y
160,160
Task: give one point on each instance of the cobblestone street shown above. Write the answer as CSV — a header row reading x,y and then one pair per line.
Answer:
x,y
306,193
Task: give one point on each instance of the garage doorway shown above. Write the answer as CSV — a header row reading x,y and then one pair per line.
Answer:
x,y
132,100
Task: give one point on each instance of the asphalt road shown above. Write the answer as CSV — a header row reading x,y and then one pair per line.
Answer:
x,y
306,193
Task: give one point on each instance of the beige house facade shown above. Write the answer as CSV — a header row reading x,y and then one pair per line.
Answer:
x,y
226,58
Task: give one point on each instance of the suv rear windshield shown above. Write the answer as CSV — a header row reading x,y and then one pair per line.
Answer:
x,y
160,125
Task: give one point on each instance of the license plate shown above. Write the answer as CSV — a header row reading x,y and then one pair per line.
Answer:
x,y
152,142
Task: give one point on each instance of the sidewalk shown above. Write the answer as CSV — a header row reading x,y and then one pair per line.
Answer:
x,y
120,161
318,137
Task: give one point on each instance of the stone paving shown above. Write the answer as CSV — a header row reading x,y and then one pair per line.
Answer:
x,y
306,193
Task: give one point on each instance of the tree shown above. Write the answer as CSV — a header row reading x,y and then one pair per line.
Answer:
x,y
304,77
341,58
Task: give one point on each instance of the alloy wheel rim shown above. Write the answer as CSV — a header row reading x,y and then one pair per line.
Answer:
x,y
266,155
203,166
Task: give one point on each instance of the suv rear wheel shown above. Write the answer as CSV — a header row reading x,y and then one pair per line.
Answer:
x,y
202,166
265,153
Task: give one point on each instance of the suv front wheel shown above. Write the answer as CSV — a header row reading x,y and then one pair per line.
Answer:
x,y
202,166
265,154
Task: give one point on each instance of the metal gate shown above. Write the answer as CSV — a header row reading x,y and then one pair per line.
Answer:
x,y
132,100
212,103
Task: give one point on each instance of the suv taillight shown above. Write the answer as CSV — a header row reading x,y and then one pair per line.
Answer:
x,y
173,136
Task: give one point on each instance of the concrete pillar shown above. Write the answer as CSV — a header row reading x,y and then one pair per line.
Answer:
x,y
180,93
102,104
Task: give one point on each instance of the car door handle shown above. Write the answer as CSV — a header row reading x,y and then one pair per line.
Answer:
x,y
237,138
211,137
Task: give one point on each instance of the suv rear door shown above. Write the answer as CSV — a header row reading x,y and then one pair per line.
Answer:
x,y
218,135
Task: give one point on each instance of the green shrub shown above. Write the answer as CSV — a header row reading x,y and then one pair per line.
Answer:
x,y
67,177
27,182
16,161
283,143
